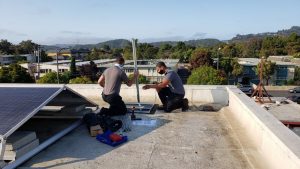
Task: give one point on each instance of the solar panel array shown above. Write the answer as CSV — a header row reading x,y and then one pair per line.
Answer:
x,y
16,103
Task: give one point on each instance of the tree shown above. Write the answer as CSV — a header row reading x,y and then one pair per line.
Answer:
x,y
251,48
201,57
237,69
142,79
45,57
273,46
164,51
127,52
146,51
26,47
15,74
4,75
73,67
206,75
182,52
293,44
6,47
230,51
106,48
268,70
81,80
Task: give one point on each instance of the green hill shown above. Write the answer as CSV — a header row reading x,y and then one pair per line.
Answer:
x,y
196,43
284,32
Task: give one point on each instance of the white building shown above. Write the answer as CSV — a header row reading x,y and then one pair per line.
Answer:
x,y
7,59
145,67
284,70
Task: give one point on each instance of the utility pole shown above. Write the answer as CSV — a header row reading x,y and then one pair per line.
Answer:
x,y
39,57
57,73
57,70
218,59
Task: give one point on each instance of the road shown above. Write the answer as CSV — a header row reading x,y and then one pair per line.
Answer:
x,y
282,93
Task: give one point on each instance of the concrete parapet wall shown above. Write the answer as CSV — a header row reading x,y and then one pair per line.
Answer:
x,y
278,146
195,93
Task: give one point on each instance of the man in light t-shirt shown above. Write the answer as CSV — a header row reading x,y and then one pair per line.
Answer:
x,y
170,91
111,81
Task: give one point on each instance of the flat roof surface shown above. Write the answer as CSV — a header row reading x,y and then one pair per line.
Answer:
x,y
178,140
285,112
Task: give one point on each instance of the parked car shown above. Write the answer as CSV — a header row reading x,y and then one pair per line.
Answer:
x,y
294,99
295,90
247,89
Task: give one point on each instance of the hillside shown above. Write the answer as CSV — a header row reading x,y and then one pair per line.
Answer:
x,y
284,32
196,43
117,43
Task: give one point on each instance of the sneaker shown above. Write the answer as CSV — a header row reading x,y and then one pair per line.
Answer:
x,y
185,105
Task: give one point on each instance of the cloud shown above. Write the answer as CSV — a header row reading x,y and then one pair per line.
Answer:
x,y
158,39
73,40
199,35
41,11
66,32
7,32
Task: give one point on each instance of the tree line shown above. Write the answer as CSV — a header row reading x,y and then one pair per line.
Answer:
x,y
200,58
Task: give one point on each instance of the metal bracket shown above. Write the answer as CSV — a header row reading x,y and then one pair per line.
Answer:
x,y
2,147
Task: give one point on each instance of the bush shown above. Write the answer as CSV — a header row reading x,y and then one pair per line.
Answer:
x,y
206,75
142,79
80,80
15,74
52,78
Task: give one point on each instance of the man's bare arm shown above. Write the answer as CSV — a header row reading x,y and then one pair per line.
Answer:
x,y
101,81
161,85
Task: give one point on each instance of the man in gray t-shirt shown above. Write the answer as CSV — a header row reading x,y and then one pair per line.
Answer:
x,y
170,90
111,81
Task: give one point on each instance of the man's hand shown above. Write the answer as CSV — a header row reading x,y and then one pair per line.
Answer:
x,y
146,87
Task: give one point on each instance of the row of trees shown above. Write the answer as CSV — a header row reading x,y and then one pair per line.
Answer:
x,y
200,59
251,48
24,47
180,51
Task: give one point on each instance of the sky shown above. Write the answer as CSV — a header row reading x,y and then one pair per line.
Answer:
x,y
93,21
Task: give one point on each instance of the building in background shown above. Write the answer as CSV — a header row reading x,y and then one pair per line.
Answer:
x,y
146,67
63,66
284,71
65,54
9,59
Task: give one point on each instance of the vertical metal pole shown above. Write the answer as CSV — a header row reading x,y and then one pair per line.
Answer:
x,y
135,68
2,147
57,73
39,56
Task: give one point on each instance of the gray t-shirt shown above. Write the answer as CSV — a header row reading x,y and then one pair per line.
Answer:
x,y
175,84
114,76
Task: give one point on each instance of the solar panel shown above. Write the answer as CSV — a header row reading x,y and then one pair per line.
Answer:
x,y
17,103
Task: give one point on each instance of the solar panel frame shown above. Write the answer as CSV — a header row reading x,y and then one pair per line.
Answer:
x,y
19,104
